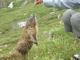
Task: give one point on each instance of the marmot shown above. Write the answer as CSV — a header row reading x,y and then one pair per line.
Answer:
x,y
26,41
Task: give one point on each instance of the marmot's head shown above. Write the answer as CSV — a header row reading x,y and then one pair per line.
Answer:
x,y
31,26
31,21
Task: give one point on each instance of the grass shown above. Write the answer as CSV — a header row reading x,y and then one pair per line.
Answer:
x,y
62,47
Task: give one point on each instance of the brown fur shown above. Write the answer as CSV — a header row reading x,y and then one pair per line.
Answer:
x,y
26,41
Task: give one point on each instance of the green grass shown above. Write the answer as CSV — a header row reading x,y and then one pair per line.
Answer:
x,y
62,47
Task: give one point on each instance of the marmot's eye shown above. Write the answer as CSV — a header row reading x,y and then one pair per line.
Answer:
x,y
32,25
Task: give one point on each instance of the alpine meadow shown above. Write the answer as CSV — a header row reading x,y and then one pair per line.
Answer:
x,y
62,46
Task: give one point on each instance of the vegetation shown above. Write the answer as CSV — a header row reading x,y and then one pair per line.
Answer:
x,y
62,47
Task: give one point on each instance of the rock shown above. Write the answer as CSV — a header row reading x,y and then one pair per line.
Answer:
x,y
52,12
20,24
59,16
11,5
1,32
24,3
76,57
